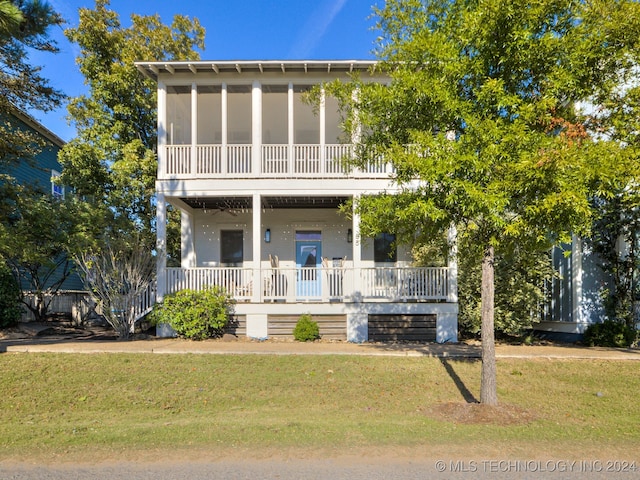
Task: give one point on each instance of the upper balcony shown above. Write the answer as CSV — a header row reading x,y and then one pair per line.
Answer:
x,y
280,161
254,120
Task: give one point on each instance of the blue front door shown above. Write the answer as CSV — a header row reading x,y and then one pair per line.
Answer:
x,y
308,261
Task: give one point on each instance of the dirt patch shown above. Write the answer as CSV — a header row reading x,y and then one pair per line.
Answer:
x,y
59,330
480,414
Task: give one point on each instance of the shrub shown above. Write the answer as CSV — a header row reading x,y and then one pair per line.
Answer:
x,y
10,310
306,329
609,334
196,315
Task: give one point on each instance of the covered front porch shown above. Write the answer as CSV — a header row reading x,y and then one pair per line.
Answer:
x,y
281,255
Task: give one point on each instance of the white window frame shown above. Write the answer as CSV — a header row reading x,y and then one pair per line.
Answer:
x,y
56,190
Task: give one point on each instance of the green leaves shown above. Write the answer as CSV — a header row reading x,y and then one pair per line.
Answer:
x,y
484,121
503,77
36,233
23,28
112,161
196,315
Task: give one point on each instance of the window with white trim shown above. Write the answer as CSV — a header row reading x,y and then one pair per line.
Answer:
x,y
57,189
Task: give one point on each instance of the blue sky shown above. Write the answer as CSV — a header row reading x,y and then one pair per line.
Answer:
x,y
235,30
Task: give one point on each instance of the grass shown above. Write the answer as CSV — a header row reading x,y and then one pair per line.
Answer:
x,y
130,405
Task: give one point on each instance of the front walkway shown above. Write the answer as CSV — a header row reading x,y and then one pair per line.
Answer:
x,y
282,347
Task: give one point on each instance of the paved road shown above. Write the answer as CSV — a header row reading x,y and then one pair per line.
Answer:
x,y
331,469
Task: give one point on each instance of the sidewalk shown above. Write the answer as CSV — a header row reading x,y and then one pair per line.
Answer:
x,y
275,347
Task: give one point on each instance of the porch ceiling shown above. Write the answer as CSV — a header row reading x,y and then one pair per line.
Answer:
x,y
245,203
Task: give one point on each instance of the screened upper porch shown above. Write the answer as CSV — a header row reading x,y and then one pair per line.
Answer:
x,y
211,129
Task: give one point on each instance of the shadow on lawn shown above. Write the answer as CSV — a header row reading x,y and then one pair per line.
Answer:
x,y
462,388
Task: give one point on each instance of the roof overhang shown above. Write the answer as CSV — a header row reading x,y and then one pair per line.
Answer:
x,y
36,125
154,69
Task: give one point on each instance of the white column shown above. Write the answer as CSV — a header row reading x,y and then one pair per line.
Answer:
x,y
161,246
257,248
356,132
323,137
162,129
452,263
224,125
194,129
187,240
576,280
356,250
256,127
290,127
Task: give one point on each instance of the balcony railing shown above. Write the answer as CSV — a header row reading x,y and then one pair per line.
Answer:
x,y
321,284
281,160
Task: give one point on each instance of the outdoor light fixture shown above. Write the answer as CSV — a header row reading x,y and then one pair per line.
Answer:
x,y
267,235
349,236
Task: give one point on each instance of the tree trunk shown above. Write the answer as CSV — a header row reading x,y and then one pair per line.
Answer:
x,y
488,384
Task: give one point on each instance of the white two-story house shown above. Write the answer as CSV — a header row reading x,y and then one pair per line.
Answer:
x,y
258,175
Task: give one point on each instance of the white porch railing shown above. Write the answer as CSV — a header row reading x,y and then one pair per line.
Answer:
x,y
237,281
143,303
321,284
282,160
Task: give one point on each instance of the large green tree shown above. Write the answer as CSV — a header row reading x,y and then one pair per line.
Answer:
x,y
31,240
24,26
35,235
480,108
112,162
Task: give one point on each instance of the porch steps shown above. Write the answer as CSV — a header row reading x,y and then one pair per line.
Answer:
x,y
402,328
332,327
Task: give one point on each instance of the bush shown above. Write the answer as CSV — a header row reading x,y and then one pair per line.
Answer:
x,y
609,334
196,315
10,310
306,330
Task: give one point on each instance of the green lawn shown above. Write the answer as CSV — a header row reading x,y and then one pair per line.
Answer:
x,y
145,404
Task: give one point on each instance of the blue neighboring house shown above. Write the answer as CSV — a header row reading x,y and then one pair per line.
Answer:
x,y
40,171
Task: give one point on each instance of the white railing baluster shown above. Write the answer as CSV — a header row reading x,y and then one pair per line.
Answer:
x,y
319,284
216,161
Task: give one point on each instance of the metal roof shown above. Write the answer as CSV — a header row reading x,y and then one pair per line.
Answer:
x,y
153,69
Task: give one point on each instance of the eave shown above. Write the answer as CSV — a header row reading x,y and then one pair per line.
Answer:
x,y
154,69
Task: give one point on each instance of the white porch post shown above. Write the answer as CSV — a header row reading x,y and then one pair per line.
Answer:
x,y
257,248
256,127
356,249
161,247
452,263
194,130
576,280
323,135
223,126
257,323
162,129
290,129
187,243
447,320
358,320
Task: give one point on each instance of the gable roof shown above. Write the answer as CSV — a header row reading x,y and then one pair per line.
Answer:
x,y
37,126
